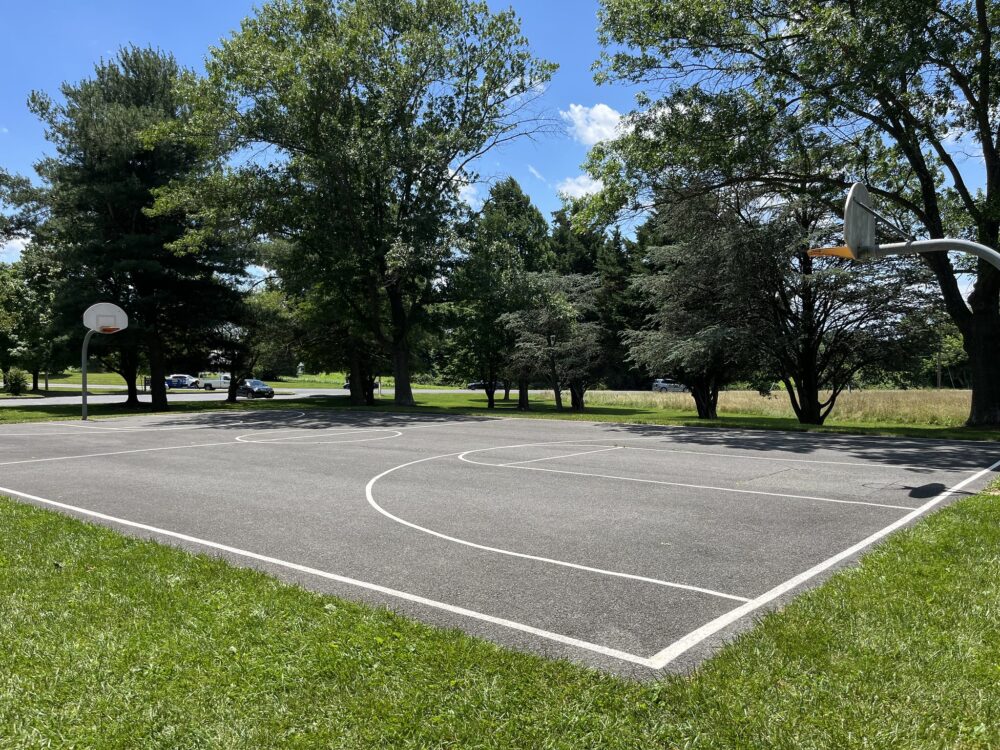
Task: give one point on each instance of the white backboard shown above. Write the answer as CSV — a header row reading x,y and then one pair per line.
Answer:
x,y
859,224
105,317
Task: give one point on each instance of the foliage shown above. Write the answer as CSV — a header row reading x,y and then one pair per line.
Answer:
x,y
801,99
696,331
557,334
506,240
373,111
92,215
15,381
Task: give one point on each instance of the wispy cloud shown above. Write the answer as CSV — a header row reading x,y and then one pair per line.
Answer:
x,y
4,131
535,172
469,193
590,125
579,186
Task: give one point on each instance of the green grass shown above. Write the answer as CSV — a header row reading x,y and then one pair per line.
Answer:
x,y
93,378
112,642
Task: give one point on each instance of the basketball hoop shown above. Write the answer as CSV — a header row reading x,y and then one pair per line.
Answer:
x,y
105,317
100,318
860,242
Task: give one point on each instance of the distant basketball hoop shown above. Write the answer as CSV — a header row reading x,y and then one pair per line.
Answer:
x,y
103,317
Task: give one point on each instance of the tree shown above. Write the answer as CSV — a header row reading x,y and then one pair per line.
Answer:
x,y
696,330
506,240
260,329
93,212
37,344
804,98
576,248
375,111
619,310
557,335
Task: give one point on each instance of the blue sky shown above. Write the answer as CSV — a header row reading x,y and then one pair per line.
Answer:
x,y
47,42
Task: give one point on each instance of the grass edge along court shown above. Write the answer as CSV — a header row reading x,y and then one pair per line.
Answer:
x,y
109,641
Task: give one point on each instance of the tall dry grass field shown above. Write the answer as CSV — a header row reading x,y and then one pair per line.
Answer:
x,y
947,408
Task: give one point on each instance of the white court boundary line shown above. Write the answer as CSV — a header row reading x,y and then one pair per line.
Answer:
x,y
678,647
565,455
513,625
119,430
318,433
517,465
869,465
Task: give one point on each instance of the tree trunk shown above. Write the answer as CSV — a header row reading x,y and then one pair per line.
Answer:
x,y
706,399
34,380
157,375
234,386
356,379
506,389
490,386
803,391
982,344
556,385
522,394
400,349
129,370
576,393
369,381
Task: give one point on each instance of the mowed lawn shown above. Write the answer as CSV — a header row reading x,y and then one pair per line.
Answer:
x,y
111,642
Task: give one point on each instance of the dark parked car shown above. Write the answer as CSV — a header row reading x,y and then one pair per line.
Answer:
x,y
480,385
255,389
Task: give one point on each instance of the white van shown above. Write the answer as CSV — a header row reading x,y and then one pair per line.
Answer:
x,y
212,380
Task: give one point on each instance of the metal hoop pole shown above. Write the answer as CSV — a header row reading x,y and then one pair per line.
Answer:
x,y
83,370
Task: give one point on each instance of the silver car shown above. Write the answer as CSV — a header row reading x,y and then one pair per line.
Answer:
x,y
666,385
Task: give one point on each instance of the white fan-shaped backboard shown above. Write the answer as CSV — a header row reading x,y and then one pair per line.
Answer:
x,y
105,317
859,224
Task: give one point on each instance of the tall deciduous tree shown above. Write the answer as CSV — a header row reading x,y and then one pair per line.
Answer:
x,y
376,111
805,98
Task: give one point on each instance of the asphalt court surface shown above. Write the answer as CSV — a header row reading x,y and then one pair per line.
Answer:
x,y
629,548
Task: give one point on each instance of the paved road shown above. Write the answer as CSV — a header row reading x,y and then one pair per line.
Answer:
x,y
629,548
103,397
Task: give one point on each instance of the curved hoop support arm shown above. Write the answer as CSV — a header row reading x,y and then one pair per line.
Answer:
x,y
913,247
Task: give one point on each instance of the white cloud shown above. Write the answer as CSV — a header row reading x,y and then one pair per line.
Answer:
x,y
469,193
11,251
579,186
536,173
590,125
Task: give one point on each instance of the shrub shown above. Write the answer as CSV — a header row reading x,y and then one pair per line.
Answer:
x,y
16,381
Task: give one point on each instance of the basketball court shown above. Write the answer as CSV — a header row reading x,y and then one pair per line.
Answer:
x,y
630,548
